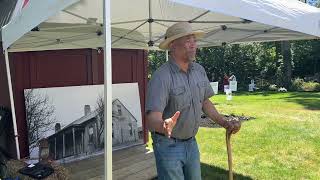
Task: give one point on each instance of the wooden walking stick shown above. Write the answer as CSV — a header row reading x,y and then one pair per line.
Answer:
x,y
228,136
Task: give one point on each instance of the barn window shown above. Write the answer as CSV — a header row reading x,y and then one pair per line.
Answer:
x,y
131,129
119,110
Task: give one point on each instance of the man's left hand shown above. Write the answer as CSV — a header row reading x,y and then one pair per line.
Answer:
x,y
232,126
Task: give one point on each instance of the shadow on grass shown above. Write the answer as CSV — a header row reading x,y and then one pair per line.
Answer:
x,y
209,172
262,93
309,100
313,95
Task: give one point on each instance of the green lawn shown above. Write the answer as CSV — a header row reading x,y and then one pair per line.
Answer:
x,y
282,142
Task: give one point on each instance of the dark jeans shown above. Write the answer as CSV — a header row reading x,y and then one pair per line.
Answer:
x,y
176,159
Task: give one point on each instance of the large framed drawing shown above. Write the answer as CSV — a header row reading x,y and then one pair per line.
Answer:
x,y
69,121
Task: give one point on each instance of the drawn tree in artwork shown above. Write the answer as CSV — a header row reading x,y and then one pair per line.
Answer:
x,y
99,107
39,114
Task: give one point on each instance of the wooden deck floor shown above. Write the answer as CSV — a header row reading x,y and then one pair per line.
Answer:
x,y
134,163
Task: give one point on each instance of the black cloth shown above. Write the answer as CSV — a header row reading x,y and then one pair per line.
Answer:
x,y
38,171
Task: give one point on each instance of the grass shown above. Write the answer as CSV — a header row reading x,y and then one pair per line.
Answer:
x,y
282,142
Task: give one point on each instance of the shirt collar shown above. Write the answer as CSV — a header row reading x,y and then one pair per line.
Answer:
x,y
176,68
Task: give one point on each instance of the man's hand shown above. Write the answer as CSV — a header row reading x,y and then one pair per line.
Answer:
x,y
168,124
232,126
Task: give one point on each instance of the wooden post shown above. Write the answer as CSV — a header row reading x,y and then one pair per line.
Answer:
x,y
63,146
82,138
74,141
55,148
97,140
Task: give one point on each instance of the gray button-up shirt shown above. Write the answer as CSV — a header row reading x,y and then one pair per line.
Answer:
x,y
171,90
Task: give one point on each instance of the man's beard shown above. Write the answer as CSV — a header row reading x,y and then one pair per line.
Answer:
x,y
191,57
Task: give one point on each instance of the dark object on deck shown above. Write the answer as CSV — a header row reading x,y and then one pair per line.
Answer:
x,y
16,178
3,167
6,132
38,171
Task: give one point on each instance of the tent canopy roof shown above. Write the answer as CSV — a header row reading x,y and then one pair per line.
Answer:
x,y
6,11
137,24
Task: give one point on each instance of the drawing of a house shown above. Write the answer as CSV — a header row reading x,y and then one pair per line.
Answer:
x,y
124,124
85,135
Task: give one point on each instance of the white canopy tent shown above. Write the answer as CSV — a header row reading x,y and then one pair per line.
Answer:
x,y
136,23
56,24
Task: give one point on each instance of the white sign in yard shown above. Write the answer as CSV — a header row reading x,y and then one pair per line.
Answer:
x,y
214,86
233,85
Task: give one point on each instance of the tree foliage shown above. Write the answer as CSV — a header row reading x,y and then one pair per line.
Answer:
x,y
259,61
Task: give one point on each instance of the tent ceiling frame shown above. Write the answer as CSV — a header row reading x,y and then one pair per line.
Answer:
x,y
256,32
65,39
127,22
213,32
202,22
129,39
89,20
161,24
68,40
199,16
150,20
251,35
129,32
47,40
70,27
159,38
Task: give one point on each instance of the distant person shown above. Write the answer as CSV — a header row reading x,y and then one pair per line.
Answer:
x,y
225,82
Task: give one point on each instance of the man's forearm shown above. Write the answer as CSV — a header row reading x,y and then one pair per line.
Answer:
x,y
209,109
155,122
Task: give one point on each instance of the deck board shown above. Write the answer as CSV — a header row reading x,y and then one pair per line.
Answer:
x,y
131,163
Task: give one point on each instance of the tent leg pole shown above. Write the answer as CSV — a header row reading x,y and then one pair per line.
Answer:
x,y
167,55
13,110
107,90
150,24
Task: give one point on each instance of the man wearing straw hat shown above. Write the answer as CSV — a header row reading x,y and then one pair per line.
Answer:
x,y
177,93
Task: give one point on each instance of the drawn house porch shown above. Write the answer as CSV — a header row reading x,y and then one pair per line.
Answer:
x,y
85,135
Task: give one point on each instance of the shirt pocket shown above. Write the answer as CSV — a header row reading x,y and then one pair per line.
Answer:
x,y
202,85
179,98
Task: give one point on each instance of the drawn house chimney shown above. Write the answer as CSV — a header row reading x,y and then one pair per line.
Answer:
x,y
57,127
87,109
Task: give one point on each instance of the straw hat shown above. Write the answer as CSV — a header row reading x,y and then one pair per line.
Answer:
x,y
179,30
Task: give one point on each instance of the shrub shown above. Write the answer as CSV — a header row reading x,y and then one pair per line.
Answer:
x,y
311,86
273,87
297,84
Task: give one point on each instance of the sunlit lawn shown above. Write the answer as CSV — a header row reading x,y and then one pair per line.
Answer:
x,y
282,142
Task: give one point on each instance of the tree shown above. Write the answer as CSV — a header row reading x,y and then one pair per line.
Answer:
x,y
306,57
287,63
40,116
99,108
212,59
269,62
155,60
